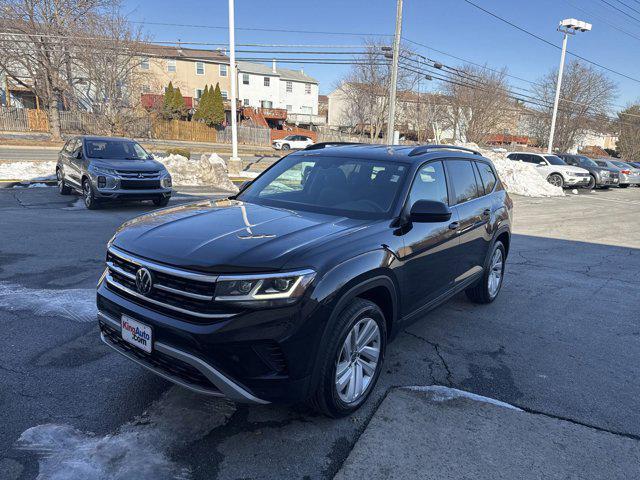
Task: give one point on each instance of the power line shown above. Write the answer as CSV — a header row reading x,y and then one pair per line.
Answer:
x,y
620,10
603,19
527,32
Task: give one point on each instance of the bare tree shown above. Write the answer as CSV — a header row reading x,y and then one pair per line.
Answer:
x,y
585,99
365,89
629,136
478,102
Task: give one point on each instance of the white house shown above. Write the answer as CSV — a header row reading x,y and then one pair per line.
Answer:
x,y
263,86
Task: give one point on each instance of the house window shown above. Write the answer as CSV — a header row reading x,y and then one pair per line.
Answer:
x,y
246,102
267,81
199,68
171,65
289,87
245,79
289,108
199,93
144,63
307,88
146,88
307,110
224,94
223,70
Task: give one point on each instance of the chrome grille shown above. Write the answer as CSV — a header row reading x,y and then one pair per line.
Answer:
x,y
175,292
141,175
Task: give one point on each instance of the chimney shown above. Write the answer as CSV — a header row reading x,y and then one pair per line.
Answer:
x,y
273,66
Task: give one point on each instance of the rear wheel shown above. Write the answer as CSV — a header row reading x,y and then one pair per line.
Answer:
x,y
351,360
592,183
286,146
487,288
88,195
63,189
556,180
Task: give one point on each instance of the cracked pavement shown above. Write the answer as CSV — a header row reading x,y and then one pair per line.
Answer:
x,y
562,339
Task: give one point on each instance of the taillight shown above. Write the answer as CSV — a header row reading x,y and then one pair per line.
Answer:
x,y
626,172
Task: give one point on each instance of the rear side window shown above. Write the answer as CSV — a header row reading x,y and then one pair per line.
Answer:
x,y
463,180
487,176
429,184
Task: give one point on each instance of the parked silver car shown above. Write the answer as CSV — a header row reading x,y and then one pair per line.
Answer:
x,y
629,175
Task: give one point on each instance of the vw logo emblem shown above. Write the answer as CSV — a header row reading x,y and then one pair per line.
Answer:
x,y
144,281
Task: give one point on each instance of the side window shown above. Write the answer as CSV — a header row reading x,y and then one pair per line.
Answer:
x,y
463,180
536,159
487,176
68,146
429,184
77,147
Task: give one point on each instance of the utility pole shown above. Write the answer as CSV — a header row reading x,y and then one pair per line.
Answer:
x,y
235,164
391,123
567,27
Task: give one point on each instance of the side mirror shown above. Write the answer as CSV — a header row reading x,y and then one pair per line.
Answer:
x,y
428,211
79,154
543,163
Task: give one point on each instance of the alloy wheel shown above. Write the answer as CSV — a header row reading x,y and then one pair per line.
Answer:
x,y
495,273
358,360
555,180
86,193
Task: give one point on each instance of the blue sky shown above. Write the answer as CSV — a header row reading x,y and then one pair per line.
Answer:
x,y
452,26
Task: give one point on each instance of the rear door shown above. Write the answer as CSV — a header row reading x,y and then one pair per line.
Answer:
x,y
428,256
474,213
75,163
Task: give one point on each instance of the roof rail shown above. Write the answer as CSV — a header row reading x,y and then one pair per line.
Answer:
x,y
426,148
318,146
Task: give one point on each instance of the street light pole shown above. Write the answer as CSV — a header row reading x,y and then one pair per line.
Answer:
x,y
235,164
567,27
391,123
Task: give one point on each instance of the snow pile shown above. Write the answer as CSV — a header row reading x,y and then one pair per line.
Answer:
x,y
139,449
440,393
209,170
32,185
27,170
519,178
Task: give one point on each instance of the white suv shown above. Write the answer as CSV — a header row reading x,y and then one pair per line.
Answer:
x,y
554,169
292,142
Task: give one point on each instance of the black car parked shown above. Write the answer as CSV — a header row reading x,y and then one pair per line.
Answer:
x,y
107,168
600,177
291,290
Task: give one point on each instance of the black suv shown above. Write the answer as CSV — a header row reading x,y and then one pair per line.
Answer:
x,y
292,289
599,177
107,168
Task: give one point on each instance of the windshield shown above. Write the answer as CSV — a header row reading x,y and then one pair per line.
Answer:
x,y
350,187
553,160
115,149
620,164
586,162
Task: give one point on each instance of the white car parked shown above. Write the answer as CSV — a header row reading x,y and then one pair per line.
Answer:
x,y
554,169
292,142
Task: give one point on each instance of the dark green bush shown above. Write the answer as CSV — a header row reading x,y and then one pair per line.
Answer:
x,y
179,151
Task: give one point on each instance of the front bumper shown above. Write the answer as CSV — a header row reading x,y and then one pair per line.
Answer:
x,y
118,187
576,181
607,181
277,146
257,356
144,194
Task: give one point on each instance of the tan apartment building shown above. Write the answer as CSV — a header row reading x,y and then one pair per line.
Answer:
x,y
186,68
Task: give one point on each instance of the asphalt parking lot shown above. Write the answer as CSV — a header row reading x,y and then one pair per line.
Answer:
x,y
561,341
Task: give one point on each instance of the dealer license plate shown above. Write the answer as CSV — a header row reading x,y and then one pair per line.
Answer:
x,y
136,333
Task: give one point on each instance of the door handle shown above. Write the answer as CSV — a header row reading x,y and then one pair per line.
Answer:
x,y
454,225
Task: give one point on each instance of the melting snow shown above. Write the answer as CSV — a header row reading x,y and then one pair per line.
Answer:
x,y
77,304
444,394
140,449
27,170
207,170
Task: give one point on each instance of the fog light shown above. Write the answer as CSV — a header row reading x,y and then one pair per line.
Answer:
x,y
102,182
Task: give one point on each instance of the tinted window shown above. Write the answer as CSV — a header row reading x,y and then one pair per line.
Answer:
x,y
554,160
429,184
115,149
602,164
586,162
487,176
463,180
359,188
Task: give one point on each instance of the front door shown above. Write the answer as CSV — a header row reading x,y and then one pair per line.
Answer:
x,y
428,255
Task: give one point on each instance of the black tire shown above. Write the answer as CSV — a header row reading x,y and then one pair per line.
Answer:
x,y
592,183
326,398
481,291
88,195
161,202
623,185
556,179
286,147
63,188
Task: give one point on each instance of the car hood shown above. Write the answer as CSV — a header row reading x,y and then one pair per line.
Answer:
x,y
132,165
571,169
229,236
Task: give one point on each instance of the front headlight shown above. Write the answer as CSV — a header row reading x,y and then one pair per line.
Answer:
x,y
604,173
259,289
102,170
166,181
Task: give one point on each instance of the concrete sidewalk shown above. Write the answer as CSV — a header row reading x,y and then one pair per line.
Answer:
x,y
442,433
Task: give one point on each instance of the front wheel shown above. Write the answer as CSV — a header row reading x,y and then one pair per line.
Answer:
x,y
592,183
88,195
351,360
487,288
556,180
161,202
286,147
